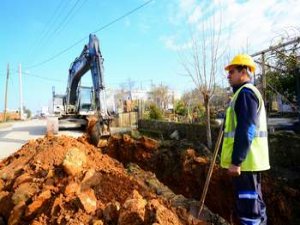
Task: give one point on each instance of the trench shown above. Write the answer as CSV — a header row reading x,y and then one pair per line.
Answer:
x,y
183,165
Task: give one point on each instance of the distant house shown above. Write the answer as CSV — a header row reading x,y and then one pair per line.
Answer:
x,y
126,100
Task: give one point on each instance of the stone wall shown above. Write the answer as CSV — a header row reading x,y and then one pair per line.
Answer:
x,y
285,150
193,132
284,147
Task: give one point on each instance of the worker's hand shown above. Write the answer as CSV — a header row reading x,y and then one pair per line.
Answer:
x,y
234,170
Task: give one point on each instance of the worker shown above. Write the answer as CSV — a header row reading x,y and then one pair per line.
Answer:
x,y
245,145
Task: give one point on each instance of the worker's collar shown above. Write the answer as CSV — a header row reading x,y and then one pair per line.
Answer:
x,y
235,88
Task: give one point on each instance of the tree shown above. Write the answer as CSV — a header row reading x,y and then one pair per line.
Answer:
x,y
119,98
155,113
181,108
193,104
201,64
284,80
220,98
159,96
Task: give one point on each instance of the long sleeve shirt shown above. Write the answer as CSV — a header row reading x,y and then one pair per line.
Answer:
x,y
246,106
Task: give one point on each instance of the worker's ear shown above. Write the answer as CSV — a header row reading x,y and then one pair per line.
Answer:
x,y
245,72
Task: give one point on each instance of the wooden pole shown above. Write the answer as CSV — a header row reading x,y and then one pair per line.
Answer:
x,y
210,171
21,92
6,90
264,79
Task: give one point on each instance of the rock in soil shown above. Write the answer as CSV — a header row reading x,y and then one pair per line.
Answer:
x,y
63,180
183,166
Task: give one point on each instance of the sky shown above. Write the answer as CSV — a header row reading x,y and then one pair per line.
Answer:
x,y
140,40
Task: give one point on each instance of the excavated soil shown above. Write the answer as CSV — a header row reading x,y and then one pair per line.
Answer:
x,y
183,166
63,180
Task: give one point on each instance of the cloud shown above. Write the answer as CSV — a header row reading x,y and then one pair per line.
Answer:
x,y
171,43
251,24
196,14
186,5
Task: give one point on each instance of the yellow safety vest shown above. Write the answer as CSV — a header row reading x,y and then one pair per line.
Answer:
x,y
257,158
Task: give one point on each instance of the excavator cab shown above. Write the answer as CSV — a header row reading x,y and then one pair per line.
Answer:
x,y
85,102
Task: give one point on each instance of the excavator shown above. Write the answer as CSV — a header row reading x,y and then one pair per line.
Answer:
x,y
80,102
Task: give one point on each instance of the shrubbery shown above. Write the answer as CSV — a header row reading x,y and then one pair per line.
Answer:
x,y
155,112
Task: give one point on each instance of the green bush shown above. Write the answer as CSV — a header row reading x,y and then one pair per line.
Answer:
x,y
155,113
181,109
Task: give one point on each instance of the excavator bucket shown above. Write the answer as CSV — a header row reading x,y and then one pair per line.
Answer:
x,y
98,131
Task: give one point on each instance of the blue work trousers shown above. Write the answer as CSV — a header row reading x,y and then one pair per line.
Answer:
x,y
250,206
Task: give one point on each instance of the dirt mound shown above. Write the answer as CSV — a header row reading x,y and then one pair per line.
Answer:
x,y
62,180
183,167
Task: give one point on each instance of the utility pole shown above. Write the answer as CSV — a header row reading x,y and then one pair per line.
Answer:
x,y
6,87
298,90
264,79
263,63
21,92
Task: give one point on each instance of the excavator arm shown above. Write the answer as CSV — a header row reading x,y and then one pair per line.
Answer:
x,y
89,59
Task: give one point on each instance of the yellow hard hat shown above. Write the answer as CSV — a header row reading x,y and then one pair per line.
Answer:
x,y
242,60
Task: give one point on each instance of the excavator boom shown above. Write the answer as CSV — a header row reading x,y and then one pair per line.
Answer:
x,y
90,59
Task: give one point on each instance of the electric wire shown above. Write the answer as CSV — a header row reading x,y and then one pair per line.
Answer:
x,y
72,15
38,76
65,19
59,10
49,38
43,78
84,38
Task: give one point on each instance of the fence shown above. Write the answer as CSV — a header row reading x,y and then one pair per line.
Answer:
x,y
128,119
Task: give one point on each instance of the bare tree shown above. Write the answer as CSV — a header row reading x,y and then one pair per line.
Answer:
x,y
159,95
128,86
201,63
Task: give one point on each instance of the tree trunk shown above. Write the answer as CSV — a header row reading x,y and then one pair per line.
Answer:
x,y
207,112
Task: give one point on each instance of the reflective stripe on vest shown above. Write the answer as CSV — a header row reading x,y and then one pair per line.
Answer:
x,y
257,158
247,195
250,221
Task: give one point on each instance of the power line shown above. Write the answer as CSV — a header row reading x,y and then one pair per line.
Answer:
x,y
63,22
47,27
125,15
43,78
59,15
67,19
84,38
58,54
40,77
71,16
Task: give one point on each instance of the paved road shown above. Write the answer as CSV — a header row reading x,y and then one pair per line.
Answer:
x,y
15,136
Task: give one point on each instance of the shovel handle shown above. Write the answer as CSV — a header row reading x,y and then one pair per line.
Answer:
x,y
210,171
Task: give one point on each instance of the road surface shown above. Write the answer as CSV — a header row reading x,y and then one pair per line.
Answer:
x,y
12,138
